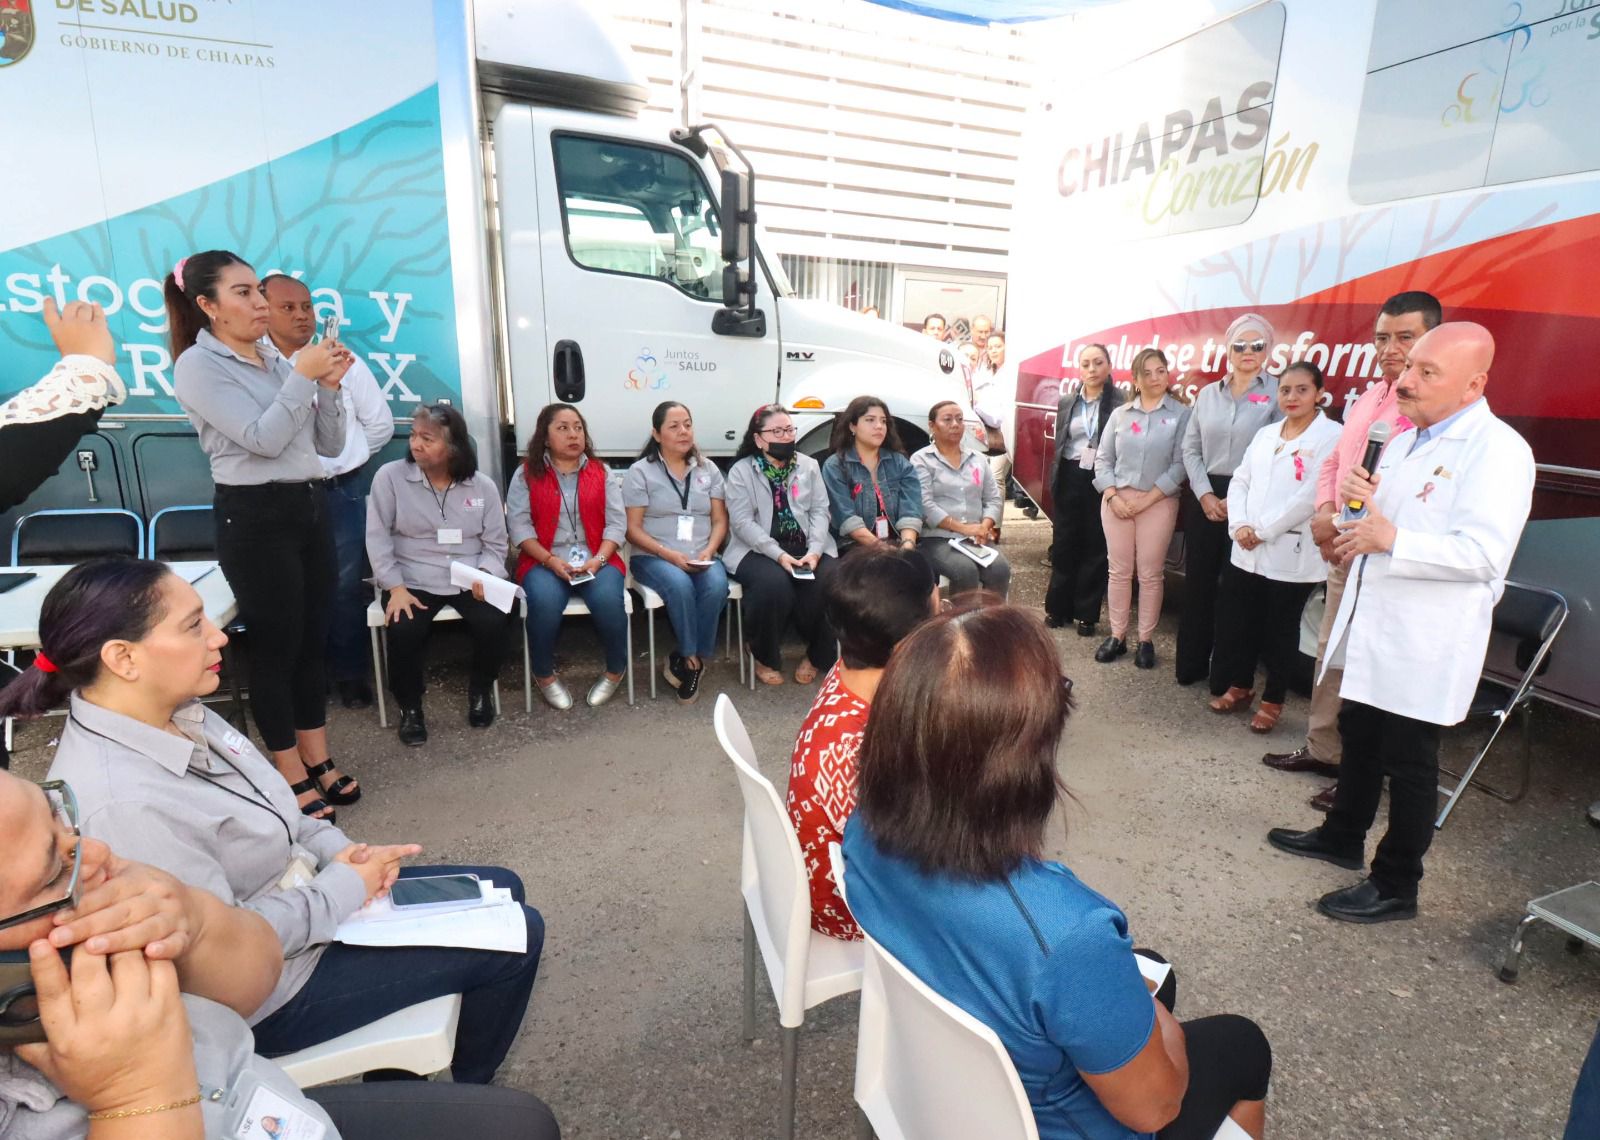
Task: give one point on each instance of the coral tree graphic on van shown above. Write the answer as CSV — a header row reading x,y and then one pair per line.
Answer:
x,y
359,216
16,30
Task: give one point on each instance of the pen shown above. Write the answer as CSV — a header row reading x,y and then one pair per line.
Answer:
x,y
196,580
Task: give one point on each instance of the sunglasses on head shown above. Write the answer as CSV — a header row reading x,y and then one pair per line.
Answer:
x,y
1249,346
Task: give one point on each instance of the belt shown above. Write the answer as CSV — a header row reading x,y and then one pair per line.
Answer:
x,y
341,480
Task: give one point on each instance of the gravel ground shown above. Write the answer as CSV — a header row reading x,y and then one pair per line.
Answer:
x,y
625,823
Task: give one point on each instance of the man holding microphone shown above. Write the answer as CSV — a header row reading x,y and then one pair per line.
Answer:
x,y
1426,557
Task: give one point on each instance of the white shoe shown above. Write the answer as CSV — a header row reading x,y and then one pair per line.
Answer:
x,y
555,695
602,691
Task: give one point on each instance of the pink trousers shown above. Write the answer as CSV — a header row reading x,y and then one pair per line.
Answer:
x,y
1138,543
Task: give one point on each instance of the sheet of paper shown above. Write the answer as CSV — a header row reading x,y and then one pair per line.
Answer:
x,y
498,592
499,926
1154,972
982,555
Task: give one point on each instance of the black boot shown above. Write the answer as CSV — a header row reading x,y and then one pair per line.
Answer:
x,y
480,708
413,729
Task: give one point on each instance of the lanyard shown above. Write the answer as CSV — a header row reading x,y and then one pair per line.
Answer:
x,y
571,509
883,511
1087,415
683,492
439,497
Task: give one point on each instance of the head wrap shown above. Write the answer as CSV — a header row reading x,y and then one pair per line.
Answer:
x,y
1251,321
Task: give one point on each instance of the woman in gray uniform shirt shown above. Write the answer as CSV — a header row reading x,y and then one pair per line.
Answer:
x,y
262,428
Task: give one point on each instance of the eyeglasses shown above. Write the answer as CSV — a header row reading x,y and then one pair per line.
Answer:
x,y
778,433
64,809
1249,346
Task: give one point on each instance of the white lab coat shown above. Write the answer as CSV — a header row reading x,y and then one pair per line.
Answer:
x,y
1276,497
1413,625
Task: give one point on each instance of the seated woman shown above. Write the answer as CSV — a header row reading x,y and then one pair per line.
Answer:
x,y
961,503
425,511
873,491
135,1063
677,519
778,531
167,781
564,511
1274,564
876,596
945,868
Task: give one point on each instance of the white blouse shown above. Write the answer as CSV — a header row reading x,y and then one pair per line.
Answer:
x,y
1274,491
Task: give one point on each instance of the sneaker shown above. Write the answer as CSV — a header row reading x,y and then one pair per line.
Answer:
x,y
672,672
689,685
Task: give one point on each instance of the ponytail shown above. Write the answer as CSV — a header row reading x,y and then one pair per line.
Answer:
x,y
101,600
193,277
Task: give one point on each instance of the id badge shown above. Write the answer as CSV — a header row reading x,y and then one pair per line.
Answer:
x,y
1086,460
577,556
685,528
883,527
449,536
257,1112
300,873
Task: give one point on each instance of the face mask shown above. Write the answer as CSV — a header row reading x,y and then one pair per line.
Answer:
x,y
781,452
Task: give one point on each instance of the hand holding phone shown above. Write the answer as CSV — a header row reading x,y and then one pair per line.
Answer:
x,y
330,327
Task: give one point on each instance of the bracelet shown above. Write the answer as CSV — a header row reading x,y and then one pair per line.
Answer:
x,y
125,1113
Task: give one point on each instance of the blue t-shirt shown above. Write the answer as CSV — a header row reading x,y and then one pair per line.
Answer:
x,y
1040,958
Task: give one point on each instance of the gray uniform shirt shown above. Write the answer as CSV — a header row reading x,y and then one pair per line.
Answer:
x,y
649,485
257,424
407,521
1222,425
519,510
1141,449
209,809
31,1108
969,492
750,510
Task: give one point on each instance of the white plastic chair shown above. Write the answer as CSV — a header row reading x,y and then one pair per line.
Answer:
x,y
926,1068
419,1039
654,601
805,968
378,629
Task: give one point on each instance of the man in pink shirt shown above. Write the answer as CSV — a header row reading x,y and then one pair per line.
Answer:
x,y
1402,320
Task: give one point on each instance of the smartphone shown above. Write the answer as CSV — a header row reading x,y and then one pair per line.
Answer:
x,y
19,1008
330,327
11,579
435,890
803,573
579,577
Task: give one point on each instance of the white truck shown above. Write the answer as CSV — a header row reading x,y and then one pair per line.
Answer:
x,y
468,186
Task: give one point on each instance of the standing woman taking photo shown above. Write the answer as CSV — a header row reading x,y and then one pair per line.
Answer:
x,y
677,519
263,426
874,494
1078,543
1225,418
1138,469
779,548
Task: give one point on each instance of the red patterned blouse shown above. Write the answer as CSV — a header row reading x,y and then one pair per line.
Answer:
x,y
822,794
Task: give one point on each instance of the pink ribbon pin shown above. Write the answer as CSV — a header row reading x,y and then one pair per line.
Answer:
x,y
1403,424
1299,468
1136,428
1257,398
1427,489
977,477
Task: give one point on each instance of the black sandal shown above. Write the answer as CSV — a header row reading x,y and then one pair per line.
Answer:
x,y
316,807
339,791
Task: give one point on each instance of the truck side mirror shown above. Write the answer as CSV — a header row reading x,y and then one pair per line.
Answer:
x,y
736,205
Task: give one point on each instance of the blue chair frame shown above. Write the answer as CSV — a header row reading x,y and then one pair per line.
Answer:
x,y
21,523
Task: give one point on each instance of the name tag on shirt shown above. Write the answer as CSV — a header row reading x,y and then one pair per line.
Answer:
x,y
449,536
269,1115
685,528
1086,460
577,556
883,527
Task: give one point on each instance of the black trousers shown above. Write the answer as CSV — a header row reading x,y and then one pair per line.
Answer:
x,y
1077,547
1206,547
408,642
1376,744
275,546
773,598
425,1110
1229,1060
1258,619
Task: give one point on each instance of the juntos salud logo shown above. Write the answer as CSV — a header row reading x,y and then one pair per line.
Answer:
x,y
16,30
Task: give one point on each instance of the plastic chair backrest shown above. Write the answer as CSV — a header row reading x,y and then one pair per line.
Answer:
x,y
928,1070
773,873
72,535
180,534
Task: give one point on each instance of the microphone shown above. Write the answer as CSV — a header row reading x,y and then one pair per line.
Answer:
x,y
1377,436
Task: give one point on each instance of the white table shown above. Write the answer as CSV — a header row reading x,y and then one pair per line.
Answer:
x,y
20,606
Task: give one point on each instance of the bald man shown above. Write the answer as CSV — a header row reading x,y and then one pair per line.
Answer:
x,y
1426,554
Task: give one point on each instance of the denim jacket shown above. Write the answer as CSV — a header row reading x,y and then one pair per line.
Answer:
x,y
853,504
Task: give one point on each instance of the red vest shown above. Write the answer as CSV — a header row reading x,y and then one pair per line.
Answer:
x,y
544,500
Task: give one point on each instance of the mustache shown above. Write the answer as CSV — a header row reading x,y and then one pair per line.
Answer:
x,y
1406,393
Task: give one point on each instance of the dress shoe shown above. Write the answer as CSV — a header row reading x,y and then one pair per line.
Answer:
x,y
1145,656
413,729
1086,629
1054,622
1312,845
1323,800
355,694
1300,760
555,694
480,708
1364,902
1110,649
602,691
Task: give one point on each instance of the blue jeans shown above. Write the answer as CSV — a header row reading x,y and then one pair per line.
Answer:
x,y
348,653
354,986
694,601
548,596
1583,1122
